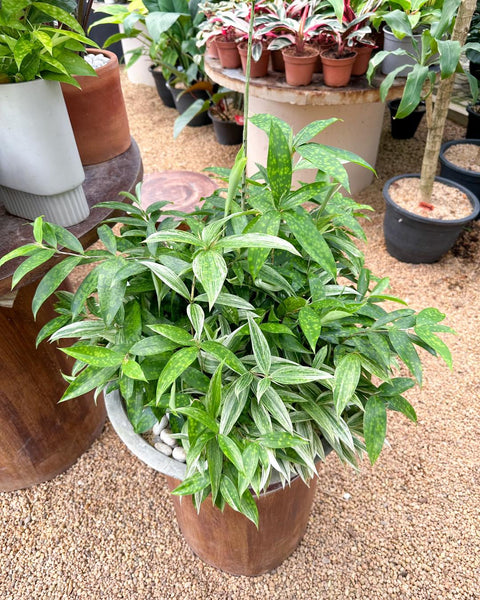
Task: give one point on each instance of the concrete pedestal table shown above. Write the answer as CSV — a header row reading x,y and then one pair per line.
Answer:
x,y
358,106
40,438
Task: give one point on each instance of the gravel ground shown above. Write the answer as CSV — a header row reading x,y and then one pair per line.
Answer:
x,y
406,529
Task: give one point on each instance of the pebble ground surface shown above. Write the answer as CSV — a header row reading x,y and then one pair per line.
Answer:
x,y
406,529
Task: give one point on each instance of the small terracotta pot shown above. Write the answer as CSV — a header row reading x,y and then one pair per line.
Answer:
x,y
212,50
228,54
97,112
337,71
278,64
360,66
258,68
320,48
299,68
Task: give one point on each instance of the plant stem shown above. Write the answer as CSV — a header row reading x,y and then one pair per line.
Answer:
x,y
246,102
442,101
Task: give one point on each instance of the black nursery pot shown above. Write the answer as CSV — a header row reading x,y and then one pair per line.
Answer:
x,y
469,179
414,239
228,133
474,69
404,129
185,100
162,89
473,124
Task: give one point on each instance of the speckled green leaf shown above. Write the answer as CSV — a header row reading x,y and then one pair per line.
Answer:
x,y
311,325
227,300
210,269
425,334
95,355
52,281
25,250
169,278
256,240
305,193
312,241
262,386
213,397
276,407
87,380
261,349
132,369
174,333
222,353
269,223
197,318
321,158
264,122
249,507
200,415
405,349
86,287
215,464
261,417
174,368
279,163
231,451
31,263
297,374
280,439
230,493
232,409
250,458
347,376
399,404
155,344
193,484
181,237
374,427
111,290
311,130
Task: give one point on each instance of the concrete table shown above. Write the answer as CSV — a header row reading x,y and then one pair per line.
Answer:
x,y
40,438
358,106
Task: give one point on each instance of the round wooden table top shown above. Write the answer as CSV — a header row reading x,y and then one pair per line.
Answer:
x,y
274,87
103,182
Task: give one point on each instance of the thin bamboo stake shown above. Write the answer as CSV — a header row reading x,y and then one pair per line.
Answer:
x,y
440,110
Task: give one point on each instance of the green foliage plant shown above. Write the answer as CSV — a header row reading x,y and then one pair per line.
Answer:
x,y
39,40
255,325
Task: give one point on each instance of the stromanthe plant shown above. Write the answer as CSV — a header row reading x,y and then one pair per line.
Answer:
x,y
255,324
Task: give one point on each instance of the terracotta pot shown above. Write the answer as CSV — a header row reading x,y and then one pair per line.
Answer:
x,y
258,68
97,113
337,71
320,48
360,66
212,50
229,541
299,68
278,64
228,54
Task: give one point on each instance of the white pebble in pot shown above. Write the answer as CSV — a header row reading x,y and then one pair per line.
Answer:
x,y
160,426
163,448
166,436
179,454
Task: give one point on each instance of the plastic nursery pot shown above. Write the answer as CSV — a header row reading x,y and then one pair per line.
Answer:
x,y
390,43
278,64
184,100
299,68
258,68
465,177
337,71
227,540
161,85
228,133
415,239
228,54
98,114
360,66
474,69
473,124
211,47
404,129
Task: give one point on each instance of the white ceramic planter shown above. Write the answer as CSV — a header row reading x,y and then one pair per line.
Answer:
x,y
40,168
138,72
392,62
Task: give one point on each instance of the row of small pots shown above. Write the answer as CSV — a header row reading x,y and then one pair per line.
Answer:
x,y
298,68
414,238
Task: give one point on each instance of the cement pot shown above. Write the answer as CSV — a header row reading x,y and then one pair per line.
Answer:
x,y
227,540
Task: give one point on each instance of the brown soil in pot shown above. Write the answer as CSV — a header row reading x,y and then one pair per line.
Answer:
x,y
446,203
465,156
292,51
332,53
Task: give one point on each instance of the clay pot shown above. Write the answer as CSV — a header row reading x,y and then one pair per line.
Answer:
x,y
212,50
258,68
337,71
97,113
360,66
320,48
278,64
228,54
299,68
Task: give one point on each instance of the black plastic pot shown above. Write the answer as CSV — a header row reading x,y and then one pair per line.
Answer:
x,y
404,129
162,89
184,100
228,133
474,69
473,125
415,239
469,179
101,33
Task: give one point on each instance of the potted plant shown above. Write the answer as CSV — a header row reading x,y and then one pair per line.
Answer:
x,y
460,162
213,30
413,233
36,176
473,110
